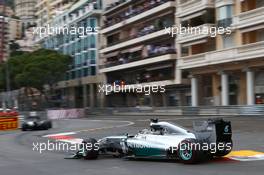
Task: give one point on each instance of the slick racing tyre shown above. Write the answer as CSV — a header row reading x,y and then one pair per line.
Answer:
x,y
226,149
45,126
90,150
188,153
23,128
50,125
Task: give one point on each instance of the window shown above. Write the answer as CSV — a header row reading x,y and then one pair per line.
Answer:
x,y
92,54
78,73
93,70
92,41
228,41
93,22
260,35
73,75
76,60
86,72
225,14
86,56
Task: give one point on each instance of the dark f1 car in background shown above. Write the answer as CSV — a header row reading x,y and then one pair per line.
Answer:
x,y
35,122
164,140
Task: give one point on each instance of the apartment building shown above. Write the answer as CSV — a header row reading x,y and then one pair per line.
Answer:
x,y
5,13
227,69
10,30
46,10
3,38
6,10
15,29
137,51
25,10
80,88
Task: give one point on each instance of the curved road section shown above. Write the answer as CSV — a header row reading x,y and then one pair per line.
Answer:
x,y
17,154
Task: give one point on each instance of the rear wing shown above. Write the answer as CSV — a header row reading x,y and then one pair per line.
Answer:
x,y
216,130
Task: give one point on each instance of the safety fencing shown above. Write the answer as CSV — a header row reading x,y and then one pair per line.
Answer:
x,y
65,114
181,111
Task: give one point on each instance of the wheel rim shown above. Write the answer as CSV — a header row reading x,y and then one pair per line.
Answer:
x,y
186,154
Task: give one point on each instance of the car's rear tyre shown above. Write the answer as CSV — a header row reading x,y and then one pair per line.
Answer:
x,y
23,129
188,153
226,150
45,126
90,150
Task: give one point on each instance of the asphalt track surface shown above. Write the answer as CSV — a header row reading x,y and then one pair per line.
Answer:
x,y
17,156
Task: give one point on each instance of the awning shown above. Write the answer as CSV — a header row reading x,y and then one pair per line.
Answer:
x,y
112,54
160,67
193,16
131,50
194,43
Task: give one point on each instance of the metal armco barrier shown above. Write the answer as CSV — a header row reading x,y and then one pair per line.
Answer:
x,y
8,123
181,111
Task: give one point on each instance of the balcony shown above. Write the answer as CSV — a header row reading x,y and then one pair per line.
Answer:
x,y
148,28
148,75
83,13
138,61
134,41
198,32
138,16
245,52
192,6
54,3
249,18
117,5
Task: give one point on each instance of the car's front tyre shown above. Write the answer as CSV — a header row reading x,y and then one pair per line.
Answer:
x,y
90,150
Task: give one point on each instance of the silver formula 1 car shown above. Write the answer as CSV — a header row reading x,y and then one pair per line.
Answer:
x,y
164,140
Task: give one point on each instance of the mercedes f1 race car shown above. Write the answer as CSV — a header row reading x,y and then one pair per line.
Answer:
x,y
164,140
34,122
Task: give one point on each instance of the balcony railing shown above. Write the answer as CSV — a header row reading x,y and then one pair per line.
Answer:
x,y
249,18
225,22
244,52
193,6
83,12
197,32
139,58
134,12
144,31
121,21
116,5
134,41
